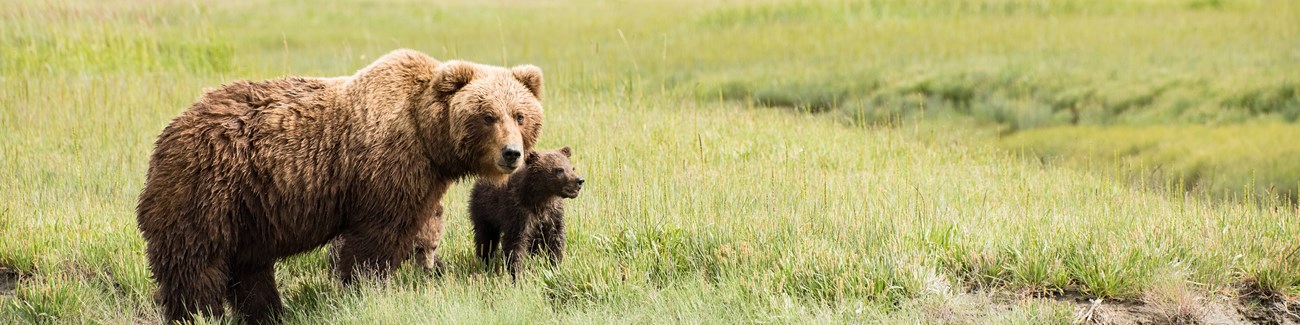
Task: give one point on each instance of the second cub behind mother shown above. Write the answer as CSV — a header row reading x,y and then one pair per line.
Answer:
x,y
526,214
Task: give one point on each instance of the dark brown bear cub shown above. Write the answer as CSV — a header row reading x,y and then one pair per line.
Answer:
x,y
526,214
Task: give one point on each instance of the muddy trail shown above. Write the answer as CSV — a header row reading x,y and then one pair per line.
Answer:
x,y
8,280
1242,309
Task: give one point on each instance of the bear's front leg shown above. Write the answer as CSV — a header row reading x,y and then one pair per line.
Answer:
x,y
515,245
372,252
555,243
486,239
427,242
550,239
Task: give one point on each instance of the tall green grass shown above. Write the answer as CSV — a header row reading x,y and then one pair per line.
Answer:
x,y
1226,161
1016,64
697,210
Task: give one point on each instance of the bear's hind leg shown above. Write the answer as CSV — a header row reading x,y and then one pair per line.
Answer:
x,y
253,294
191,270
190,288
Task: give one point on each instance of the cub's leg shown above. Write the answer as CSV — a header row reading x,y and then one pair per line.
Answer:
x,y
514,245
486,239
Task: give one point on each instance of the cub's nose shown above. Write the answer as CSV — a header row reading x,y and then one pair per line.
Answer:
x,y
580,181
510,155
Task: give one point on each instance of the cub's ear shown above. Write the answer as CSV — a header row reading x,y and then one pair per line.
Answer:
x,y
566,151
453,75
532,158
530,76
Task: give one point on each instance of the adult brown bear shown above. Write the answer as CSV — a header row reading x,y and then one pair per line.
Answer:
x,y
257,171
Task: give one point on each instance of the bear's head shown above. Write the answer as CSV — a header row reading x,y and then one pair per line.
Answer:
x,y
549,173
495,114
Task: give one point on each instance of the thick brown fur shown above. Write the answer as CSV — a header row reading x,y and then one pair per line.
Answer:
x,y
257,171
526,214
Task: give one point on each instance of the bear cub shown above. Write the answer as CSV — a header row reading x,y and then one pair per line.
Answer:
x,y
526,213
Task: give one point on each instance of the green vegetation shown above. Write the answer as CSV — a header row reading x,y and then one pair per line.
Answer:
x,y
1018,64
1021,65
1226,161
708,210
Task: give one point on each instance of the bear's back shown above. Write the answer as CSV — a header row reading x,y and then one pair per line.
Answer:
x,y
268,146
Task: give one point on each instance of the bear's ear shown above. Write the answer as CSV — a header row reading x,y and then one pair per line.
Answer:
x,y
453,75
532,158
531,77
566,151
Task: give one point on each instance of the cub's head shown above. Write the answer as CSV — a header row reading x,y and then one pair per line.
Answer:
x,y
551,173
495,114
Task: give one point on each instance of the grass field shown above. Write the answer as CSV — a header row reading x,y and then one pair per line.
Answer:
x,y
914,179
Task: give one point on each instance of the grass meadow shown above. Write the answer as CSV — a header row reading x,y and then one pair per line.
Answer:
x,y
792,161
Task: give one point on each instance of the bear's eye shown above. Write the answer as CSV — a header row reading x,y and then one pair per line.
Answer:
x,y
557,170
489,119
519,119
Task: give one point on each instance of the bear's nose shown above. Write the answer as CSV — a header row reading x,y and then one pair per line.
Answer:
x,y
580,181
510,154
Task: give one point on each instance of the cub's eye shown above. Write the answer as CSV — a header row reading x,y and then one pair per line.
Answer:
x,y
489,119
557,170
519,119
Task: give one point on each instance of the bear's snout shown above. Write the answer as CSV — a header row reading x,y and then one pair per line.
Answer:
x,y
571,191
509,160
510,155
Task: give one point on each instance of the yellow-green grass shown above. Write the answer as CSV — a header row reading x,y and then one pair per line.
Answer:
x,y
1023,65
1019,64
1226,161
697,210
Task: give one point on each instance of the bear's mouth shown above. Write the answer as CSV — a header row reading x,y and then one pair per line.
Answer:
x,y
507,168
570,192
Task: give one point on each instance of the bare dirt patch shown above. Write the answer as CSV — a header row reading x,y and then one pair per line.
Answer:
x,y
1219,309
1269,310
8,280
